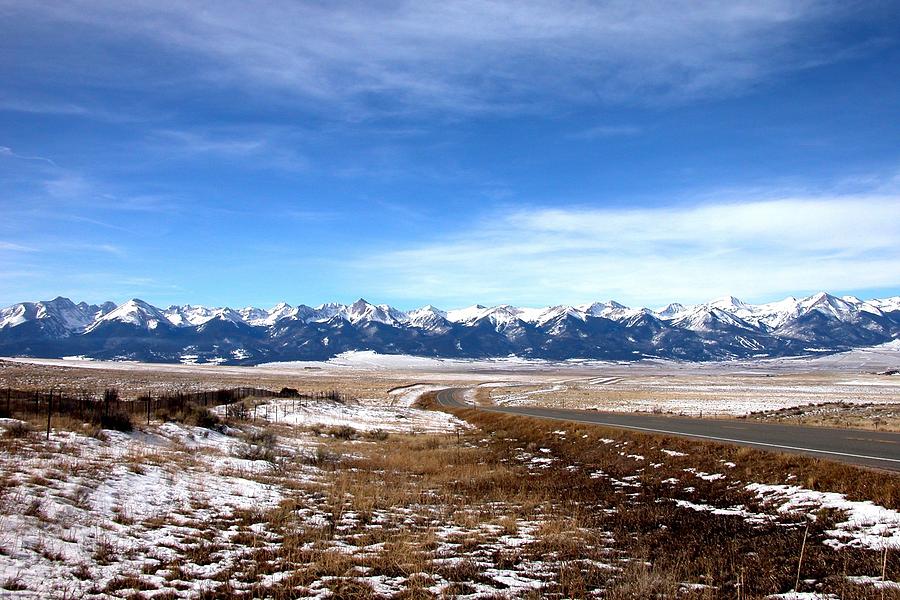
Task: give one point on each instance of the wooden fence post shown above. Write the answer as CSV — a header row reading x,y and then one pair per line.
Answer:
x,y
49,412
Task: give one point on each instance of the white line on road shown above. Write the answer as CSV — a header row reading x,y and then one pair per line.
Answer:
x,y
707,437
695,435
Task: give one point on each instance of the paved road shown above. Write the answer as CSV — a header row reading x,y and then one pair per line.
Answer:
x,y
869,448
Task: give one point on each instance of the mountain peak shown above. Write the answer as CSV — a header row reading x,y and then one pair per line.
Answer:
x,y
727,302
723,328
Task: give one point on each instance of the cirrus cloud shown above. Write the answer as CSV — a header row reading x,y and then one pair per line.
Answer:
x,y
468,56
757,248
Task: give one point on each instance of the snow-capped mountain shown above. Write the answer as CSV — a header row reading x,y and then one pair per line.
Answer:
x,y
134,312
59,316
428,317
362,311
671,311
188,315
708,317
724,328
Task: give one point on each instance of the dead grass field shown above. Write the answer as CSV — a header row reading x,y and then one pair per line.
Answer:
x,y
159,379
878,417
509,507
729,391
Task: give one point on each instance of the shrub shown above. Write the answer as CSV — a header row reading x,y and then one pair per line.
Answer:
x,y
200,416
261,437
325,456
322,458
191,414
17,429
119,421
343,432
258,445
238,410
378,435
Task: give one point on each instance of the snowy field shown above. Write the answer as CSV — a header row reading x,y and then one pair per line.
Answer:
x,y
84,511
874,358
172,509
83,515
364,417
695,395
725,388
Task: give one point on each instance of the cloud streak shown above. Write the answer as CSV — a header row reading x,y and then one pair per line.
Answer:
x,y
758,248
7,151
603,131
469,56
13,247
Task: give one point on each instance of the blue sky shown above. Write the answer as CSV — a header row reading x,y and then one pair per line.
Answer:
x,y
532,153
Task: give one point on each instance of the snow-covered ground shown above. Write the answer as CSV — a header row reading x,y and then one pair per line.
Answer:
x,y
733,388
174,506
694,395
365,417
86,511
867,525
512,369
409,395
881,357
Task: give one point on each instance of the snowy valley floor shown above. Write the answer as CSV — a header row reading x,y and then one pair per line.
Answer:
x,y
359,501
859,388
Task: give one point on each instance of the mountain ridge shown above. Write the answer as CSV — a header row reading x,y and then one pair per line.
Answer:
x,y
722,329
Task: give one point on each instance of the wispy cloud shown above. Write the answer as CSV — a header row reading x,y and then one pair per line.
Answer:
x,y
59,245
602,131
28,104
465,56
262,144
77,190
12,247
312,216
195,142
8,152
110,249
758,248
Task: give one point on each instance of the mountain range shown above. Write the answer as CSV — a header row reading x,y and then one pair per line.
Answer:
x,y
723,329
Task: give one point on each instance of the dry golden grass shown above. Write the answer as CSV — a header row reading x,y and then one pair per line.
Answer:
x,y
423,510
398,497
158,379
751,464
873,417
707,393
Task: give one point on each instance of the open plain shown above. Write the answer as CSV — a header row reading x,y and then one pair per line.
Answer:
x,y
386,494
860,388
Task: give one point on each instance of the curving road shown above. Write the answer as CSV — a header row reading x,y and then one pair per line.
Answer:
x,y
876,449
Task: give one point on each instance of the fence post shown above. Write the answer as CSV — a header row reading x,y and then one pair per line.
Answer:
x,y
49,411
149,399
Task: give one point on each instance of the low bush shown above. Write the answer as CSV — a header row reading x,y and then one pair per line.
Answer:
x,y
192,414
260,444
17,430
342,432
239,410
323,457
118,421
378,435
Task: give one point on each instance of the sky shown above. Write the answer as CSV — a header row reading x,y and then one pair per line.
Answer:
x,y
448,153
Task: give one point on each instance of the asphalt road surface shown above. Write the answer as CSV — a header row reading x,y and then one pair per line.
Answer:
x,y
876,449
